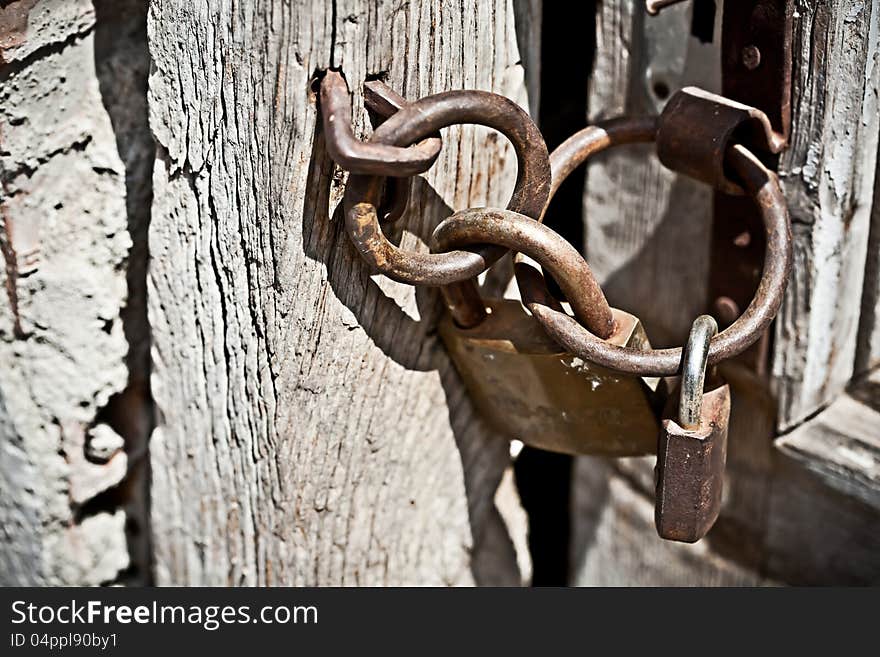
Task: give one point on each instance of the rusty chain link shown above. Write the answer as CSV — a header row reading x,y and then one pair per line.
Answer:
x,y
698,134
524,235
454,270
725,156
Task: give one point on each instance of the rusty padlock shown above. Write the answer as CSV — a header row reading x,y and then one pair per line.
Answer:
x,y
692,452
521,381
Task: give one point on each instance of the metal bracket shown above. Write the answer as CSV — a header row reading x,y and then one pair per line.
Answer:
x,y
756,71
697,128
756,58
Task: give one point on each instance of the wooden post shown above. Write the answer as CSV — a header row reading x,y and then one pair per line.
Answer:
x,y
312,430
828,178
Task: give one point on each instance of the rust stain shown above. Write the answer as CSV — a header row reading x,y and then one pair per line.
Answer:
x,y
13,24
11,263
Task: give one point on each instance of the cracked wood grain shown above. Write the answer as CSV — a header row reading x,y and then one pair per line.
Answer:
x,y
312,430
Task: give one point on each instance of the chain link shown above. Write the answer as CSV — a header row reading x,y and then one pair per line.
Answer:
x,y
471,240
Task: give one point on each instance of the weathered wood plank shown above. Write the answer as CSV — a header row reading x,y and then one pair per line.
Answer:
x,y
312,429
764,526
615,543
828,178
817,533
825,504
841,445
868,349
528,17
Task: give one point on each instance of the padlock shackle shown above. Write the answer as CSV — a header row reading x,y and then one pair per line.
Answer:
x,y
693,371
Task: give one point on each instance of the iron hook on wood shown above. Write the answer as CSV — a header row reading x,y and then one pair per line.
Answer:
x,y
454,270
357,156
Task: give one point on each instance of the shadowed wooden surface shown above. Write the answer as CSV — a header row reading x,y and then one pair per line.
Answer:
x,y
75,161
803,513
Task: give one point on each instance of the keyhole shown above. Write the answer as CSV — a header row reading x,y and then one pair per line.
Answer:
x,y
660,89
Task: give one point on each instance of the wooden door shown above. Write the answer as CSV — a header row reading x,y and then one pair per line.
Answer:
x,y
201,383
802,508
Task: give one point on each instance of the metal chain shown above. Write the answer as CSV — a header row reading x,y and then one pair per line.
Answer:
x,y
471,240
758,181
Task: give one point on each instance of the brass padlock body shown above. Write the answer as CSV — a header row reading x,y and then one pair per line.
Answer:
x,y
690,469
528,389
